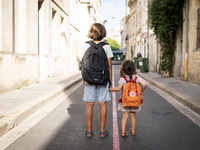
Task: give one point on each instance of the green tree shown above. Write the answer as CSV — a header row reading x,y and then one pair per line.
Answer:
x,y
113,44
165,18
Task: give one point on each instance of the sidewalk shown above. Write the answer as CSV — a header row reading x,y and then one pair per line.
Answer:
x,y
17,105
185,92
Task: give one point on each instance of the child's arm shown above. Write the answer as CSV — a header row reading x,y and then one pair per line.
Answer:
x,y
116,89
110,69
83,83
143,86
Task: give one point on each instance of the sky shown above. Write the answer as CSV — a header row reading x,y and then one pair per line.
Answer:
x,y
112,11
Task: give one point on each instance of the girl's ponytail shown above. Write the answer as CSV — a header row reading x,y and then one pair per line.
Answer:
x,y
130,73
127,68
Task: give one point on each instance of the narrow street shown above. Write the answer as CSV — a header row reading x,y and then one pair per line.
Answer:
x,y
160,126
42,49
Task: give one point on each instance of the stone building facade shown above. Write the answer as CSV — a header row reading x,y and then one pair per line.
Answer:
x,y
137,25
123,34
131,26
187,58
187,53
41,39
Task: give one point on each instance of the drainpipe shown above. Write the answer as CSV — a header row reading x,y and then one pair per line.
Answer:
x,y
186,52
50,18
38,44
148,36
13,13
50,40
38,33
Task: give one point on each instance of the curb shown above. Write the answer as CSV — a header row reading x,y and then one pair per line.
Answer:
x,y
186,100
23,112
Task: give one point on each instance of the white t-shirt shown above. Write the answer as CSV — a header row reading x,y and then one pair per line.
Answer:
x,y
106,47
122,81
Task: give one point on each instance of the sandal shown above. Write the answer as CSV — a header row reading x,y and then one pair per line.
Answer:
x,y
103,134
89,134
132,133
124,135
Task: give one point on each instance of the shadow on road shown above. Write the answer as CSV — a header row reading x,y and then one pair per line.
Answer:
x,y
72,133
159,126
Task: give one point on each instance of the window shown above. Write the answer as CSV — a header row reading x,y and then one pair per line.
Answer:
x,y
131,51
198,28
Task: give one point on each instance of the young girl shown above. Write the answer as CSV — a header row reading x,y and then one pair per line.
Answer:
x,y
128,71
97,32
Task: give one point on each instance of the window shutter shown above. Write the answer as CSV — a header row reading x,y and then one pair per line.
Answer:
x,y
198,38
198,28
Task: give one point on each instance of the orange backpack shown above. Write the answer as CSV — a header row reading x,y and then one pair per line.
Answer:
x,y
131,94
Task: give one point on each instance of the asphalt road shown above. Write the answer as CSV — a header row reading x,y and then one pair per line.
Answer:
x,y
160,126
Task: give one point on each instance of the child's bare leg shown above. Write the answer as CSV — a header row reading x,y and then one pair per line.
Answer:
x,y
89,115
124,121
133,122
103,115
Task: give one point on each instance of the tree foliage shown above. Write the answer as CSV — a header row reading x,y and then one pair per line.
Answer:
x,y
113,44
165,18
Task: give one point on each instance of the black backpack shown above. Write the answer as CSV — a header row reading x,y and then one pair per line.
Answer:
x,y
95,68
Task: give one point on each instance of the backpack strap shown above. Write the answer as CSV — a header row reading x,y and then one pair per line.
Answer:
x,y
135,79
120,100
135,85
125,79
92,43
102,44
132,81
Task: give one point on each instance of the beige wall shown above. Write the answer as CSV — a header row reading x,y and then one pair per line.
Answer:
x,y
179,68
34,49
131,28
194,53
153,54
178,54
127,39
193,74
1,26
137,26
123,34
89,14
7,26
18,59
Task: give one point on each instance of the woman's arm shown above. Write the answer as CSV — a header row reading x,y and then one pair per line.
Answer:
x,y
116,89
